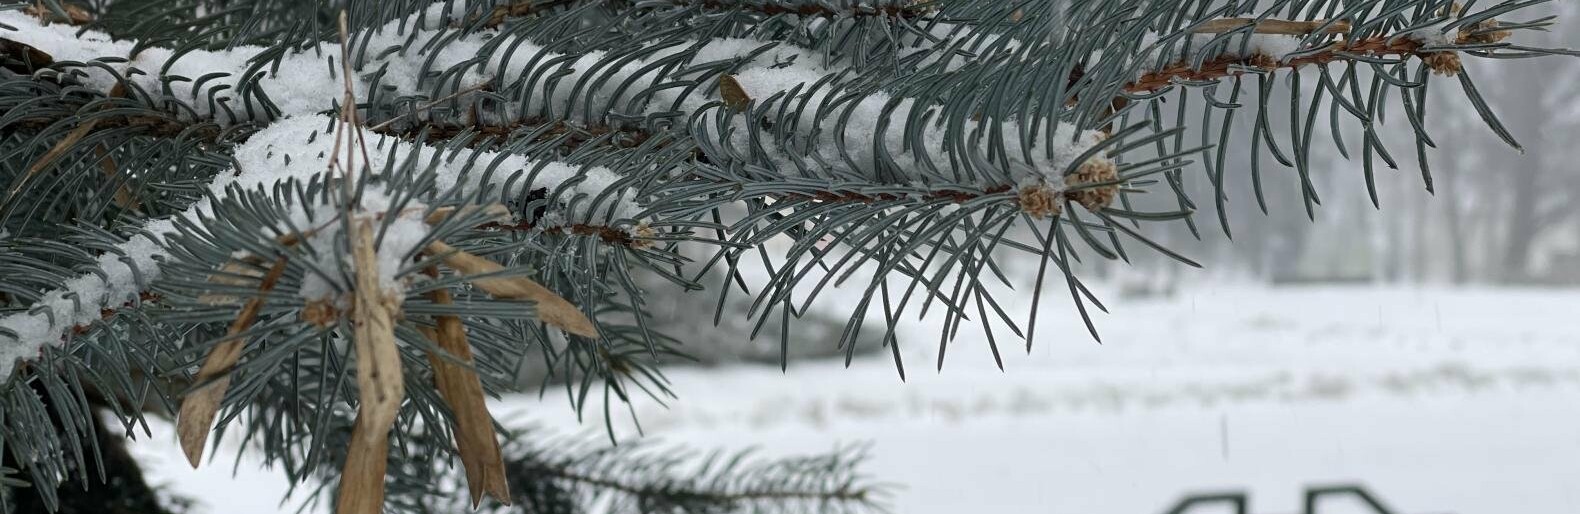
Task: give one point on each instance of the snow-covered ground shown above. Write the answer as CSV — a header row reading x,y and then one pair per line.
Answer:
x,y
1439,400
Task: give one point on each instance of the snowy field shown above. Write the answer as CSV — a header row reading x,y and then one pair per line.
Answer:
x,y
1439,400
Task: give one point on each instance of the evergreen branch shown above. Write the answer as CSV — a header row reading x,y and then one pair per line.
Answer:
x,y
882,9
915,147
700,495
570,135
905,9
1225,67
1443,62
636,238
638,481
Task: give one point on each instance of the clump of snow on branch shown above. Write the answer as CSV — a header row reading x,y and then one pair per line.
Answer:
x,y
307,81
300,82
400,241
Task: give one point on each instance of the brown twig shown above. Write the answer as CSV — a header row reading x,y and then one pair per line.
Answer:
x,y
605,233
1441,62
481,86
1268,26
838,196
1232,66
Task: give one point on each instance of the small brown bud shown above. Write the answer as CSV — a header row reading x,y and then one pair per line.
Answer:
x,y
1485,32
642,236
1039,201
1263,61
1443,63
1096,170
320,313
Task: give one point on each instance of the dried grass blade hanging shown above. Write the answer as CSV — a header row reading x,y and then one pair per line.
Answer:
x,y
202,403
379,386
552,309
463,391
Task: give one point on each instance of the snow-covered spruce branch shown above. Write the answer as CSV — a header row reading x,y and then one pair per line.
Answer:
x,y
254,84
923,145
298,150
567,135
877,132
781,72
1067,167
858,9
1267,52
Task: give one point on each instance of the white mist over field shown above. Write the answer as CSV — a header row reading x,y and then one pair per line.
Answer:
x,y
1437,399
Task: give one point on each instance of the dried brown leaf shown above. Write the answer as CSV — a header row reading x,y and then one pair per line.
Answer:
x,y
75,14
552,309
463,392
493,212
734,95
202,403
379,386
30,59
